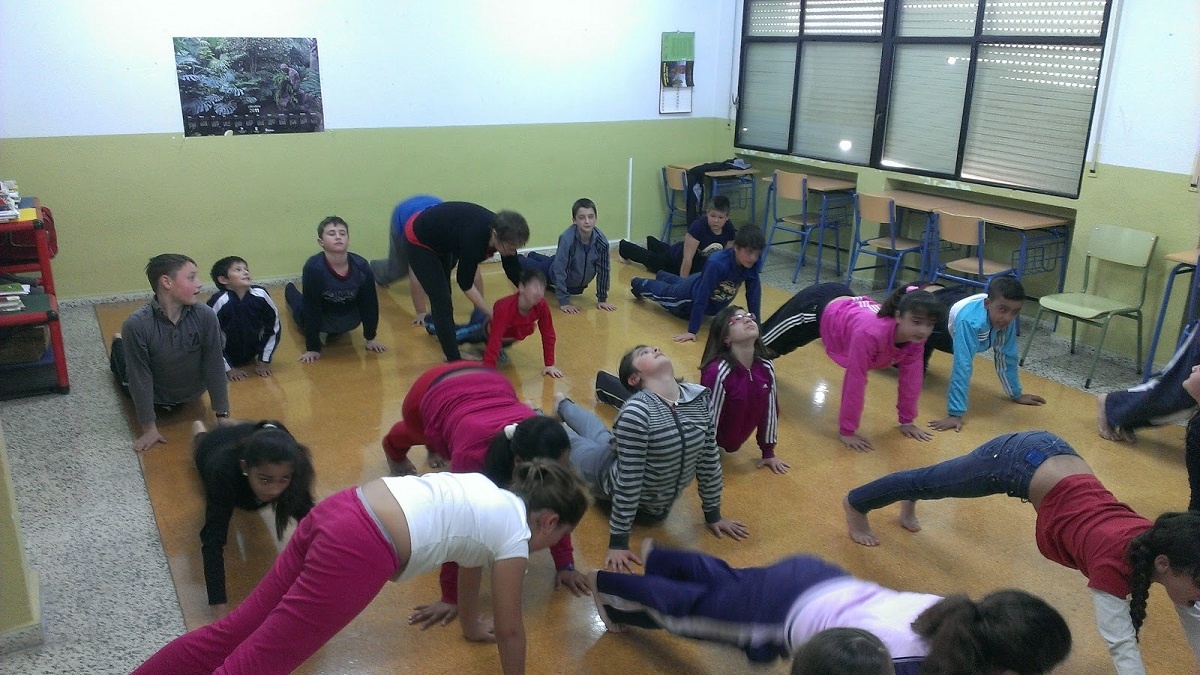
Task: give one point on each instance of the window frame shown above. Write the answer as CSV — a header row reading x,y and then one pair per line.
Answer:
x,y
890,42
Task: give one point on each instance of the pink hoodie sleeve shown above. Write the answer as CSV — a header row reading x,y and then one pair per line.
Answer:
x,y
912,374
861,354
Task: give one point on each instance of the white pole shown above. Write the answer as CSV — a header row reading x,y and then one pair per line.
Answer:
x,y
629,202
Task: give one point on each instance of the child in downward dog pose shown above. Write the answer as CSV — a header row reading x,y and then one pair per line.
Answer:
x,y
1080,525
736,367
393,528
769,612
860,336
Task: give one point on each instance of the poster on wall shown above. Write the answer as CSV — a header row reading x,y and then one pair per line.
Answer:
x,y
235,85
675,81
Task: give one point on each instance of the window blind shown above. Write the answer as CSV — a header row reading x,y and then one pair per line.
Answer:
x,y
1030,113
929,85
937,19
772,18
835,114
766,101
1074,18
843,17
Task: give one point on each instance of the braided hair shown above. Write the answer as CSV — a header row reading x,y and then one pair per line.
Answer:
x,y
1007,630
1175,535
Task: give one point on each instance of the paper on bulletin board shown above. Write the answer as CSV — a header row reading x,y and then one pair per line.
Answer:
x,y
676,73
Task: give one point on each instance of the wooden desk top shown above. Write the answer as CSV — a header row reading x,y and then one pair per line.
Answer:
x,y
825,183
1186,257
723,173
731,173
1016,219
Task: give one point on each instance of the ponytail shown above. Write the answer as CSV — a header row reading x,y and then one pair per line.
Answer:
x,y
1174,535
533,437
1005,631
272,443
911,300
548,485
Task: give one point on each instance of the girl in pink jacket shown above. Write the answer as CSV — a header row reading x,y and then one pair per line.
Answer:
x,y
861,335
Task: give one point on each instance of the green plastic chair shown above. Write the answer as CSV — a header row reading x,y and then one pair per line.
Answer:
x,y
1111,243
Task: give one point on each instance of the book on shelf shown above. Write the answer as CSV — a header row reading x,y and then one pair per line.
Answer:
x,y
14,289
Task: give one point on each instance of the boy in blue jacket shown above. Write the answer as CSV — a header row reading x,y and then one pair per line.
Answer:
x,y
974,324
582,255
712,289
248,316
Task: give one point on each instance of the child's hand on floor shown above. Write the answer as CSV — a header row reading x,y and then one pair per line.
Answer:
x,y
569,309
946,424
552,371
621,560
262,369
913,431
685,337
856,443
235,374
606,306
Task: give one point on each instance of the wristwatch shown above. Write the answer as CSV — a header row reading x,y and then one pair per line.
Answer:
x,y
222,414
569,567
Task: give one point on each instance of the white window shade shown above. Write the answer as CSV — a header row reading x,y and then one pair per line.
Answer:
x,y
765,107
773,18
1030,112
929,85
843,17
937,19
836,107
1071,18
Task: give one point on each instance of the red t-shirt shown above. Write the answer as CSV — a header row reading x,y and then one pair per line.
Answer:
x,y
509,324
1081,525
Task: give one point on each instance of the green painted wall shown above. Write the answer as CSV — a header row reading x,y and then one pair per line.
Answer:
x,y
118,200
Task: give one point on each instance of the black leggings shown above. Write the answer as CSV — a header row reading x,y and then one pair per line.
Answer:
x,y
432,269
798,321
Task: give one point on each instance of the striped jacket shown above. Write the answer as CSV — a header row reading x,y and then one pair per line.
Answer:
x,y
660,448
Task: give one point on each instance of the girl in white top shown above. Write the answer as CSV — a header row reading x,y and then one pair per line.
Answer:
x,y
392,528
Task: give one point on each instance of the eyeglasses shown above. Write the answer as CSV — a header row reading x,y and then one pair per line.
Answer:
x,y
741,317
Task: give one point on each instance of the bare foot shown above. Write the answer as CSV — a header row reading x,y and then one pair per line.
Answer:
x,y
1106,431
404,467
198,428
908,516
611,626
436,461
858,525
648,547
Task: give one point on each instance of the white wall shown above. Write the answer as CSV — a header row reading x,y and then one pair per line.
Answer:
x,y
1151,119
92,67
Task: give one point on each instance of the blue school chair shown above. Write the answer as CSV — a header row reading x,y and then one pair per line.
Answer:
x,y
890,248
794,187
969,232
674,187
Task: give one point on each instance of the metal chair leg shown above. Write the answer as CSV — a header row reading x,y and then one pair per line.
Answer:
x,y
1032,331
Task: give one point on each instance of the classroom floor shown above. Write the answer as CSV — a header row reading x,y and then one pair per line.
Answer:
x,y
119,561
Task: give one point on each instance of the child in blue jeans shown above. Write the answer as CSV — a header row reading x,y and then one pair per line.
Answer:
x,y
710,291
582,255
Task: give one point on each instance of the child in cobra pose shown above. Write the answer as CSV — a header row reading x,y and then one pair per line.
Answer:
x,y
860,336
1080,525
736,367
770,611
